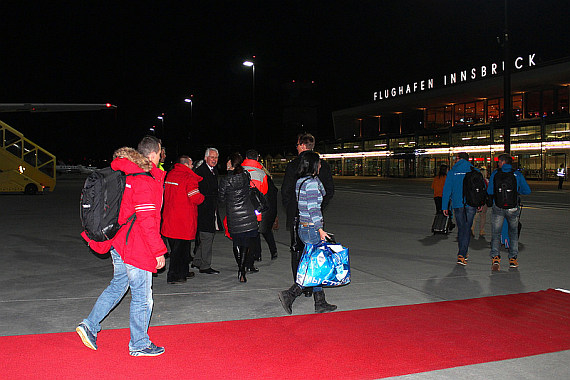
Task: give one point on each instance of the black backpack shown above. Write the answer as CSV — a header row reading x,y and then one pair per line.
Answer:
x,y
474,188
505,189
101,202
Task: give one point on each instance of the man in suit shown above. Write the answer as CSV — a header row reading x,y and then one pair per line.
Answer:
x,y
208,217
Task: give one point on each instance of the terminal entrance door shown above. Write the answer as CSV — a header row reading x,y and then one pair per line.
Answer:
x,y
403,166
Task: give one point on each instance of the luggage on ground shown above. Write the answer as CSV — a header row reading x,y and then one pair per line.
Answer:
x,y
441,224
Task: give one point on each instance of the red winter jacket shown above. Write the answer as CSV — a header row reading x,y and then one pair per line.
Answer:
x,y
181,200
257,174
143,196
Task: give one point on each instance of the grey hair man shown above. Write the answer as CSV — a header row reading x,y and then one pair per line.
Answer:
x,y
208,217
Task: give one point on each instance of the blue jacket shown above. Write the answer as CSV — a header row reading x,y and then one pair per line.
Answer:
x,y
453,186
522,185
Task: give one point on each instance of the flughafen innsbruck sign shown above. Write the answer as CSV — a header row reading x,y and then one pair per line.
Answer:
x,y
453,78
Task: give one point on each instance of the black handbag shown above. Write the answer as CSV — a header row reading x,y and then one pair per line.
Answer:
x,y
258,200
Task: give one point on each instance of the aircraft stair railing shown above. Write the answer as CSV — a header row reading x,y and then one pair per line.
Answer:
x,y
24,165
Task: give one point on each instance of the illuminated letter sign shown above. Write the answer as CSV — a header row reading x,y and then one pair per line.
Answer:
x,y
452,78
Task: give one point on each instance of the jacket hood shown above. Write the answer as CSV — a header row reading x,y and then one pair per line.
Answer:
x,y
186,169
253,163
462,166
129,161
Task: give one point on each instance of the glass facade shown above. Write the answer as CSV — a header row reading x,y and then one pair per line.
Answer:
x,y
539,136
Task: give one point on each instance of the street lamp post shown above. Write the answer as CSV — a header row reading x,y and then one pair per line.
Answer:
x,y
508,106
252,65
161,118
189,100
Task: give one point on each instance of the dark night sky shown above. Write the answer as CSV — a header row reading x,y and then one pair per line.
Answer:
x,y
145,57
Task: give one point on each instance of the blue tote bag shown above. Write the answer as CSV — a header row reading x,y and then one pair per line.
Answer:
x,y
325,264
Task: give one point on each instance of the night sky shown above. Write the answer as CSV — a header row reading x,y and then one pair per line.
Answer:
x,y
146,57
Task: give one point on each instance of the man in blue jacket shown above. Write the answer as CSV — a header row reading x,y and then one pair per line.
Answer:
x,y
464,213
503,210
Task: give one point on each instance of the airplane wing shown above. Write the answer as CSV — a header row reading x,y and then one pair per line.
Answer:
x,y
53,107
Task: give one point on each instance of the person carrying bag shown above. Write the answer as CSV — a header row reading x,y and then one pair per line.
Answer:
x,y
310,193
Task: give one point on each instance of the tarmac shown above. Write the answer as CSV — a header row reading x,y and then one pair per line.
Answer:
x,y
50,280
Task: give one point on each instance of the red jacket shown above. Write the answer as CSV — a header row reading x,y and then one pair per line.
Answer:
x,y
143,196
257,174
181,200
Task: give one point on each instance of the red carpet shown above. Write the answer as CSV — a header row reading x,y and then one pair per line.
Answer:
x,y
360,344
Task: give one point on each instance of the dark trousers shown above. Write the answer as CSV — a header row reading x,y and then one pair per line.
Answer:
x,y
270,239
255,245
560,180
297,248
179,259
437,201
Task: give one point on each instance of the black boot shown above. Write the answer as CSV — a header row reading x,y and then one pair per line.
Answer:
x,y
249,252
254,254
245,254
288,296
237,255
321,305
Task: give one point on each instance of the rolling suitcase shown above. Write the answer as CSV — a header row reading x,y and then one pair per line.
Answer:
x,y
441,224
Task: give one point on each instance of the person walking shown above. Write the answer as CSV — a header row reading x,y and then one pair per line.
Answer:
x,y
481,215
242,222
137,249
505,186
305,142
259,180
437,186
180,217
208,218
561,174
269,218
464,214
310,194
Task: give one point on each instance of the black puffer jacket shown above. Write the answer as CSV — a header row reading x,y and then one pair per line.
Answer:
x,y
234,192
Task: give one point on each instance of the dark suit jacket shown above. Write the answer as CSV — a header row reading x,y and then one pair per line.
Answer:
x,y
268,217
208,210
288,195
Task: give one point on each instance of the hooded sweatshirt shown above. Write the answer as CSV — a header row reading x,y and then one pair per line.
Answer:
x,y
522,185
453,186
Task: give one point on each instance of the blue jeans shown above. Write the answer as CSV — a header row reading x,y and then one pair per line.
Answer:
x,y
497,218
310,235
140,282
464,219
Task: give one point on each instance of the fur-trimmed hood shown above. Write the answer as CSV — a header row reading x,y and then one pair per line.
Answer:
x,y
133,156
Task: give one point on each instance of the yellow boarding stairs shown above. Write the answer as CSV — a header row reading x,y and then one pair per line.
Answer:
x,y
24,166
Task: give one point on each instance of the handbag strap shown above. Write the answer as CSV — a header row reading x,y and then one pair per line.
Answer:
x,y
299,190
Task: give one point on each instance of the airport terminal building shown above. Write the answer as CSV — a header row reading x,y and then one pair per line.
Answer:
x,y
459,111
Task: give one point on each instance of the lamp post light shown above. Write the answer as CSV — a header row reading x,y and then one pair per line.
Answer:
x,y
161,118
189,100
252,65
